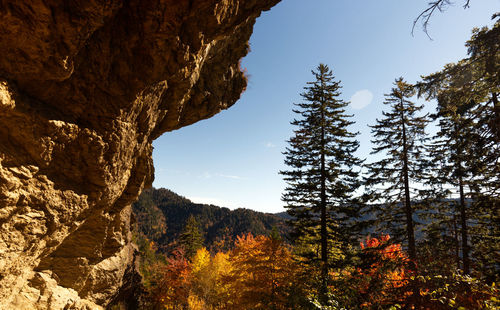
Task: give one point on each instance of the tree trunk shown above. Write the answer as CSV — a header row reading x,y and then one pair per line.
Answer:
x,y
408,211
463,224
463,214
455,239
496,119
324,232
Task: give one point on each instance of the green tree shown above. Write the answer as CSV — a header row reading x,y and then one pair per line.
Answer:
x,y
191,239
452,162
467,94
322,176
400,136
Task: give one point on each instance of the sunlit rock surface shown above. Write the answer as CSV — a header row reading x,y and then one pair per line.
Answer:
x,y
85,87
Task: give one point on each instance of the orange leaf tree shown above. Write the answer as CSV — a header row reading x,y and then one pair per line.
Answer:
x,y
171,285
263,273
380,277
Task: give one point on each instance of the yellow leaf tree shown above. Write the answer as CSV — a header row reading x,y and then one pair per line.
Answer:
x,y
262,273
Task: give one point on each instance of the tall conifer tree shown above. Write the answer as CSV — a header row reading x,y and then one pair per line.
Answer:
x,y
400,137
468,91
323,169
451,165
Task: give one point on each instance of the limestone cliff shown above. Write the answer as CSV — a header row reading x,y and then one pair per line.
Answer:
x,y
85,87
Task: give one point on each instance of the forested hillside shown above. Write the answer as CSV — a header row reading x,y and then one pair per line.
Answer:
x,y
162,216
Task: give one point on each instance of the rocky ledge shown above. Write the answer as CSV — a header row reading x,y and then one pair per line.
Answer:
x,y
85,87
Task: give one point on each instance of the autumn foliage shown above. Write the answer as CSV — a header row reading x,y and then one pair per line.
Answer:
x,y
258,273
171,281
262,272
383,273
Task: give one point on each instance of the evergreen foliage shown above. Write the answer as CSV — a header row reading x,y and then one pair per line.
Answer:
x,y
453,161
322,176
469,118
400,137
191,239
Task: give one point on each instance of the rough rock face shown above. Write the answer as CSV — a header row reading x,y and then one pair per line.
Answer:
x,y
85,87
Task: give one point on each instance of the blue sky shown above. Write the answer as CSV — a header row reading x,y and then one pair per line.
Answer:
x,y
233,159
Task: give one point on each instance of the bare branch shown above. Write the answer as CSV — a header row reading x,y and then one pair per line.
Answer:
x,y
425,16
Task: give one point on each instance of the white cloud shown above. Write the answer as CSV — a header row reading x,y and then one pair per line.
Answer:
x,y
361,99
228,176
270,145
208,175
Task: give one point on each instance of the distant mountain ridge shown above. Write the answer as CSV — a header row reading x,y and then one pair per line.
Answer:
x,y
162,214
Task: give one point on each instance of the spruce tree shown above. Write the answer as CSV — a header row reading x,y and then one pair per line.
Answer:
x,y
399,137
451,150
322,175
468,92
191,238
484,64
